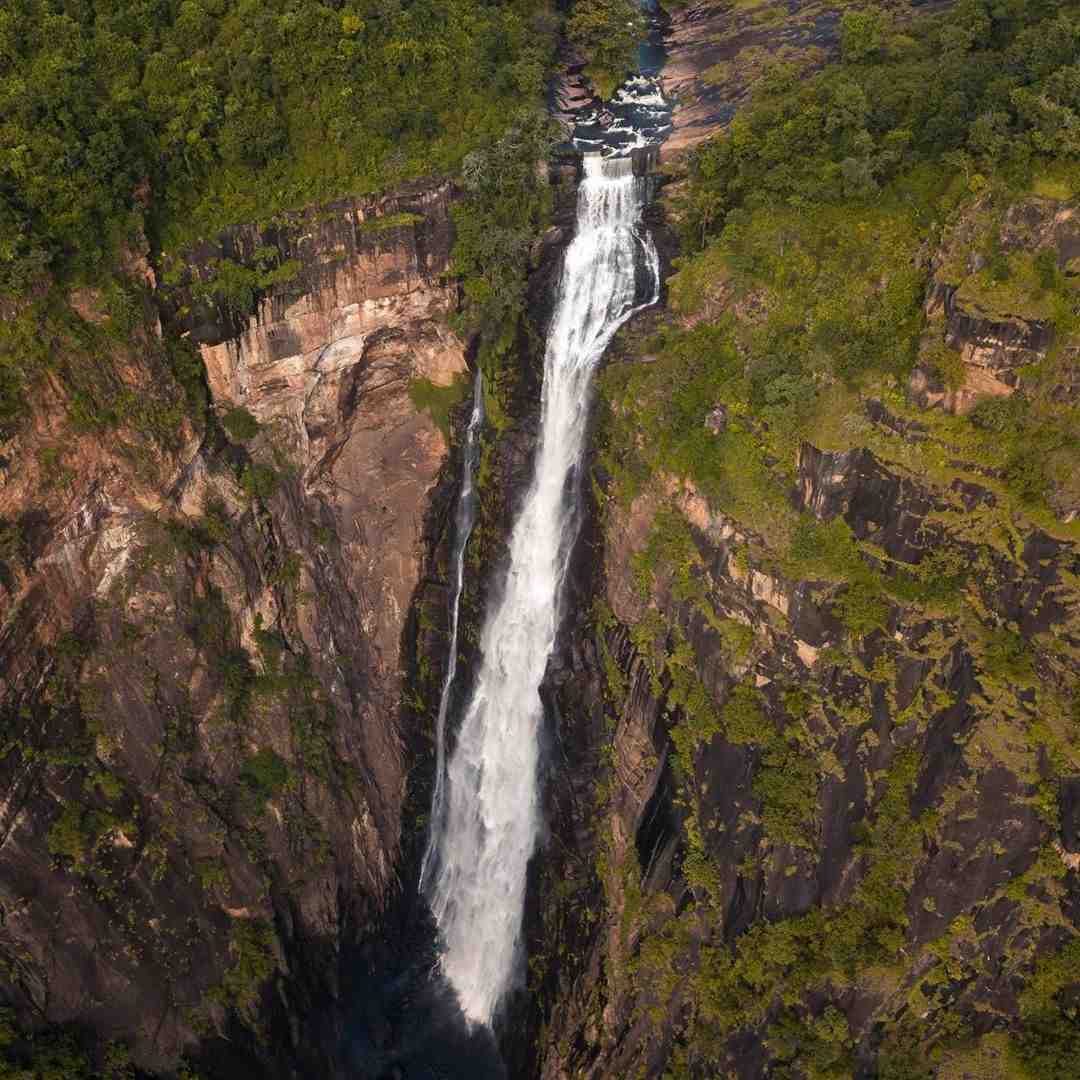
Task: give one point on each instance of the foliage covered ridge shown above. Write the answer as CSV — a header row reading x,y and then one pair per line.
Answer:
x,y
221,111
838,631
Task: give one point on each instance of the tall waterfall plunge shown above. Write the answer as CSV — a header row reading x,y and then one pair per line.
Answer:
x,y
490,817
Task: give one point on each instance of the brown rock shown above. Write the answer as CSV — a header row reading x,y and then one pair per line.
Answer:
x,y
107,561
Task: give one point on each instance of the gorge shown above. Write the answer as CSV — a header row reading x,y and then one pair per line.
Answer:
x,y
492,818
485,600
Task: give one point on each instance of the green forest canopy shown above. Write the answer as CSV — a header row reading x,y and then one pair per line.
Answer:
x,y
988,87
830,191
219,111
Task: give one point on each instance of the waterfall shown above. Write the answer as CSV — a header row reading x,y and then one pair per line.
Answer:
x,y
491,818
463,526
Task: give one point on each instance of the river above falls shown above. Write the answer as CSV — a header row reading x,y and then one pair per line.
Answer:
x,y
638,115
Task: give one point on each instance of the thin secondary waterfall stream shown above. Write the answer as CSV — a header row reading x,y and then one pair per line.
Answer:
x,y
463,526
488,812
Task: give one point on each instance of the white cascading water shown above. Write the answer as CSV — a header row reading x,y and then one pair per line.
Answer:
x,y
463,526
491,817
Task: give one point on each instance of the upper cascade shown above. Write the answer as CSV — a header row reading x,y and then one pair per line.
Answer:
x,y
638,114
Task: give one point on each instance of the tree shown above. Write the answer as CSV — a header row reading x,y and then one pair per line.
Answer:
x,y
608,33
862,34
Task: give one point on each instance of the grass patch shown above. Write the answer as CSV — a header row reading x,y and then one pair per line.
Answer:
x,y
1013,286
240,424
1056,179
438,401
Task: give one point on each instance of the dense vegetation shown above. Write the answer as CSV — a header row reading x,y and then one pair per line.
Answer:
x,y
66,1053
815,210
812,231
507,200
807,232
218,111
607,33
176,119
133,129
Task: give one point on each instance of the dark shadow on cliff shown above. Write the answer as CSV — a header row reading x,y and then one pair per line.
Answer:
x,y
400,1020
403,1021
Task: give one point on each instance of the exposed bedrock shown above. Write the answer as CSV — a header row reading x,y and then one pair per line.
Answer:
x,y
631,897
203,792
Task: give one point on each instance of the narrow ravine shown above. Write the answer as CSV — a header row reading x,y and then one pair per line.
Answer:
x,y
488,827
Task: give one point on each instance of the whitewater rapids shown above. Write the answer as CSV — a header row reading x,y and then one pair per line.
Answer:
x,y
489,817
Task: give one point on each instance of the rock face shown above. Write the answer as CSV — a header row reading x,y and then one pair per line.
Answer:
x,y
825,787
570,92
204,770
694,49
631,997
367,278
716,51
996,327
328,359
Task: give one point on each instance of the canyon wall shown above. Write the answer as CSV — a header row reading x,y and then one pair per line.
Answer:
x,y
801,822
203,610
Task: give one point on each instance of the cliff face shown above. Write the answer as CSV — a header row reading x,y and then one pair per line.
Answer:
x,y
919,776
204,768
330,362
811,802
831,826
997,327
